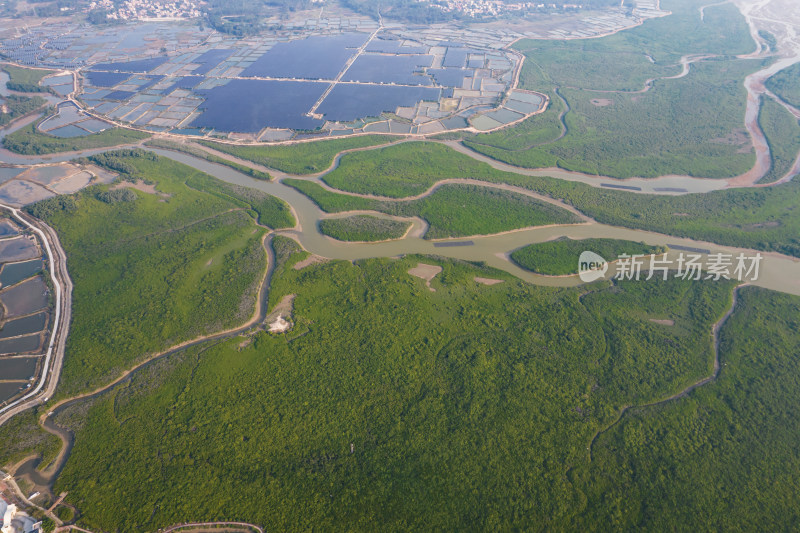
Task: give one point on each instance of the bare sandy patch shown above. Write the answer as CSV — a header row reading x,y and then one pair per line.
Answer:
x,y
488,281
310,260
73,183
426,272
663,321
601,102
105,176
139,185
280,319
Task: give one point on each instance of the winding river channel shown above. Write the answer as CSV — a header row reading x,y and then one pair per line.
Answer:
x,y
778,272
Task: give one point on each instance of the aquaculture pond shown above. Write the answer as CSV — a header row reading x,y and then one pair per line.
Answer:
x,y
27,344
17,368
7,228
251,105
9,390
140,66
210,59
25,298
13,273
348,102
105,79
390,69
312,58
18,249
9,173
24,326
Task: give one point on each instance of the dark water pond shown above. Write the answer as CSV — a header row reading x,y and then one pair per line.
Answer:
x,y
349,102
24,326
28,344
25,298
8,390
141,66
18,367
251,105
211,59
13,273
317,57
105,79
390,69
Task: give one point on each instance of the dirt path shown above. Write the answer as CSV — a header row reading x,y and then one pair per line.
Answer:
x,y
212,525
46,420
685,392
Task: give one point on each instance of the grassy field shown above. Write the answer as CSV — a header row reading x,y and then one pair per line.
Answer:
x,y
762,219
783,135
560,257
360,228
30,141
301,158
481,407
169,145
152,272
451,210
786,84
726,457
691,125
25,79
19,106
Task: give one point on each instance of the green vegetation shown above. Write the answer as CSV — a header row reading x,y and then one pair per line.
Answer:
x,y
725,458
403,170
25,79
13,107
30,141
560,257
114,196
271,212
202,154
361,228
769,39
477,388
786,84
783,136
20,437
300,158
451,210
690,125
762,219
65,514
464,210
153,272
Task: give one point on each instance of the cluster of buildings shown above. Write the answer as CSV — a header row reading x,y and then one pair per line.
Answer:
x,y
15,521
148,9
492,8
